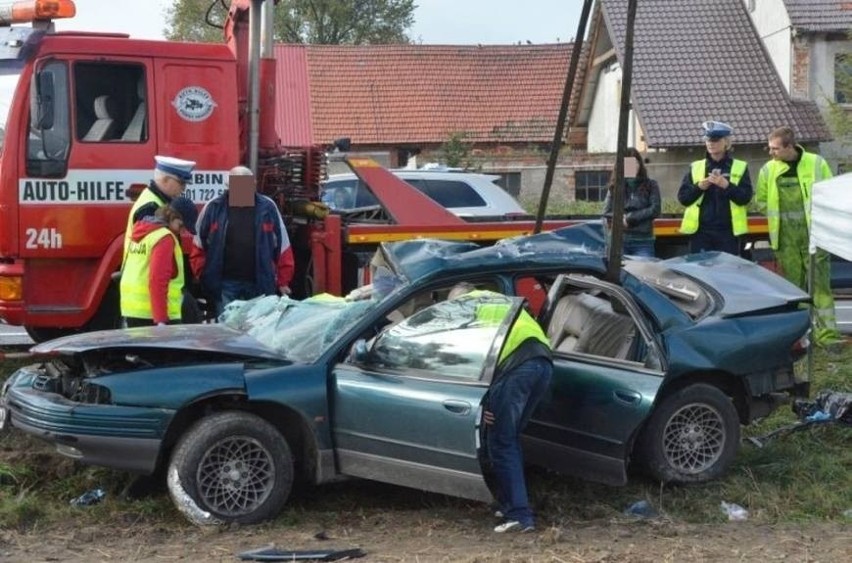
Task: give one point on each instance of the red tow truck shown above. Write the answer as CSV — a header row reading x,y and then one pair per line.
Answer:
x,y
82,116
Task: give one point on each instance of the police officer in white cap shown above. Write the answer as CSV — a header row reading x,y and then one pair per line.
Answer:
x,y
716,192
171,175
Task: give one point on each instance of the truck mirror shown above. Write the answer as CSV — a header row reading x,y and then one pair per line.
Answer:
x,y
45,100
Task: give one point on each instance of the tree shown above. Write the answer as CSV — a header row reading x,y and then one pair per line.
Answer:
x,y
328,22
457,151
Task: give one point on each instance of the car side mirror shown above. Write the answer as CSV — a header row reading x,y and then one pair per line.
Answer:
x,y
45,101
359,352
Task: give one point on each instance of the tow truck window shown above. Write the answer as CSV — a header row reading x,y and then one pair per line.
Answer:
x,y
109,103
49,124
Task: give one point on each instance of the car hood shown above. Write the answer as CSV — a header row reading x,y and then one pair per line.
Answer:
x,y
744,286
216,338
580,246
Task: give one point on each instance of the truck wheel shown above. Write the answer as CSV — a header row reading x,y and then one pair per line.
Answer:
x,y
231,467
692,436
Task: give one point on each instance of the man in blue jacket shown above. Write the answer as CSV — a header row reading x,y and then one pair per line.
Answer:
x,y
242,252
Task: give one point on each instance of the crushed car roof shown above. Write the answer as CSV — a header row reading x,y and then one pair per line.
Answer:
x,y
580,246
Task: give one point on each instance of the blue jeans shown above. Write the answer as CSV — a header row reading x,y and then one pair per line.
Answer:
x,y
645,249
233,290
512,399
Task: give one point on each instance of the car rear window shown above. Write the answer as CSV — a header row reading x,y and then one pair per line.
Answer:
x,y
450,193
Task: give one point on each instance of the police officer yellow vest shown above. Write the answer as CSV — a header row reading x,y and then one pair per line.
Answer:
x,y
146,197
739,213
135,297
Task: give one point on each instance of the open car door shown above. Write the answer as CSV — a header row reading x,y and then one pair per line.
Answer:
x,y
607,369
407,410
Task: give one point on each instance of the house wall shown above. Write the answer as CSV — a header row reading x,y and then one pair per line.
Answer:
x,y
773,26
603,120
821,65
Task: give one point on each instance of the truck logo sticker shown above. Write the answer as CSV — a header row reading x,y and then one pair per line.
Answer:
x,y
194,103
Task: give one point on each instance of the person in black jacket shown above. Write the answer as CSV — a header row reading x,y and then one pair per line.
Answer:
x,y
716,191
641,205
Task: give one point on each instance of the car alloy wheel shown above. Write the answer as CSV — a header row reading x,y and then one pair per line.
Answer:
x,y
231,467
691,437
235,476
694,438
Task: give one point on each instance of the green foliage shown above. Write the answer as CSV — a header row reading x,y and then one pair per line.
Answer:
x,y
669,206
457,151
327,22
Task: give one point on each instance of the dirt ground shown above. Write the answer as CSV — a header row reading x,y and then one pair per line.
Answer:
x,y
404,537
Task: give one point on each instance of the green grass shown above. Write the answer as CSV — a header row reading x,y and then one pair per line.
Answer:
x,y
798,477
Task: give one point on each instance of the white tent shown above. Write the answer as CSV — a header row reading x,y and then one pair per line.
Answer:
x,y
831,216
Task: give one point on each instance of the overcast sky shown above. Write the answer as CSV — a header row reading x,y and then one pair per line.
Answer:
x,y
435,21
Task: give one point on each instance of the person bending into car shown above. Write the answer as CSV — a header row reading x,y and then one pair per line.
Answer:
x,y
524,370
716,192
152,279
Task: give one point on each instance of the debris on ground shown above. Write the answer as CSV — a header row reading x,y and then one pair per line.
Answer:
x,y
829,407
274,554
89,498
734,512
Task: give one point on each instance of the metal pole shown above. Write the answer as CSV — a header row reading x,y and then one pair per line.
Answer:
x,y
613,273
563,112
254,83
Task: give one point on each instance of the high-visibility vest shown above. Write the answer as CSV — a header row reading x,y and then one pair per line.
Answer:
x,y
135,297
493,312
811,168
146,197
739,213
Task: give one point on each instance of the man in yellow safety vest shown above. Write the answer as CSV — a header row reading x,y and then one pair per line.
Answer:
x,y
784,194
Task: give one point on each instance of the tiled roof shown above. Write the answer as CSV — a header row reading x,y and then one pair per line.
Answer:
x,y
687,70
395,94
820,15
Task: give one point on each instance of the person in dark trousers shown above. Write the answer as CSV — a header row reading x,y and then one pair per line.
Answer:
x,y
152,279
641,205
716,192
241,252
524,370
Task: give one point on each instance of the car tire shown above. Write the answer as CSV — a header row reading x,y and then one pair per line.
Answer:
x,y
231,467
692,436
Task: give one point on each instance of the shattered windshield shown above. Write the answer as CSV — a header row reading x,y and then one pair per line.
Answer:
x,y
10,73
301,331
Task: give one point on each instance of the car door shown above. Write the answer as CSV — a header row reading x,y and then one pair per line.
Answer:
x,y
603,385
408,410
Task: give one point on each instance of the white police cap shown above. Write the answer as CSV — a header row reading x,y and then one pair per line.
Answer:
x,y
716,129
177,167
